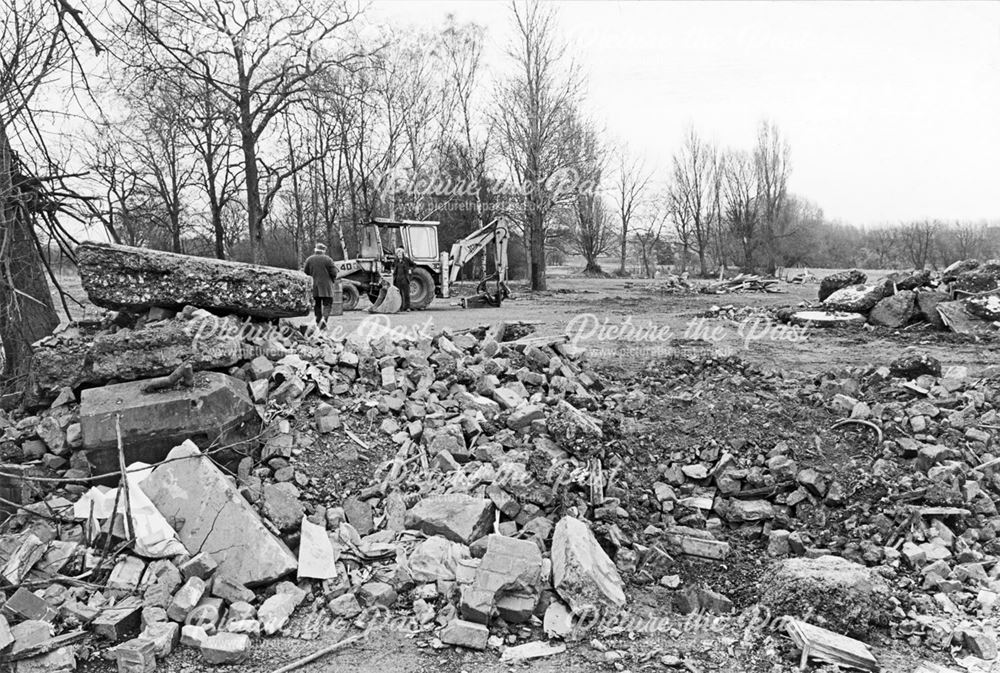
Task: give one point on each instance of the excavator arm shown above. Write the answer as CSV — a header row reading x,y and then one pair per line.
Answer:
x,y
496,232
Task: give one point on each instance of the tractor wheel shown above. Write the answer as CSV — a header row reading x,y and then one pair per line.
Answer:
x,y
421,288
351,296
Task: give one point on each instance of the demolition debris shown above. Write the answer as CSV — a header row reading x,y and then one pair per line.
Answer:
x,y
964,298
507,500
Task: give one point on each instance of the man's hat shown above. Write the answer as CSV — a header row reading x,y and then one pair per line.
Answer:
x,y
320,247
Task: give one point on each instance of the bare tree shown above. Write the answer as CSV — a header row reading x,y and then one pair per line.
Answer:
x,y
167,169
326,175
883,242
109,156
716,213
680,216
593,234
211,133
740,188
35,43
918,241
534,113
771,158
969,240
692,196
260,56
631,185
648,239
469,134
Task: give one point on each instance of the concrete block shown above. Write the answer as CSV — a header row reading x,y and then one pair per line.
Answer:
x,y
136,656
25,605
120,622
186,599
217,409
201,565
465,634
226,648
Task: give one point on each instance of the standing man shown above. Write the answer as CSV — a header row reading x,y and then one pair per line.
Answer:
x,y
401,277
322,270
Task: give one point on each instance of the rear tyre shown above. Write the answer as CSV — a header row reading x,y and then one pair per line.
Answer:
x,y
350,296
421,288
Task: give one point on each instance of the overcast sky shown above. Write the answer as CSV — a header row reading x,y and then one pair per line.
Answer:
x,y
892,109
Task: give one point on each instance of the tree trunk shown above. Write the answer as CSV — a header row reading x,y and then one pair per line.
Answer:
x,y
248,143
255,218
220,232
327,219
621,264
175,229
527,245
26,310
538,281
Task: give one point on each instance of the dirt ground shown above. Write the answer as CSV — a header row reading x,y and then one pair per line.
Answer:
x,y
665,324
657,332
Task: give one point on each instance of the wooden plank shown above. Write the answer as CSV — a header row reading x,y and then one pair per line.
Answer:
x,y
943,511
539,341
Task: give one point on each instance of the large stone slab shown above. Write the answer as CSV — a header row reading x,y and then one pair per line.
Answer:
x,y
927,302
216,410
211,516
855,298
983,278
957,318
583,575
122,277
84,357
895,311
827,319
836,281
458,517
986,307
909,280
955,269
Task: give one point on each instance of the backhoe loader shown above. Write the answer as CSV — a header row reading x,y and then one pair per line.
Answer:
x,y
433,271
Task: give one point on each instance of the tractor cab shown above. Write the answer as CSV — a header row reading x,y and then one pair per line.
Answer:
x,y
418,238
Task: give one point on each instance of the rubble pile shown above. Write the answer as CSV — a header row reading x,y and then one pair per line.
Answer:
x,y
672,283
507,492
934,531
665,283
478,521
883,519
737,314
964,298
802,277
744,282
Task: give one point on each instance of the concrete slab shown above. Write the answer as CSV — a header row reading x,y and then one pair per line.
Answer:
x,y
217,409
211,516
